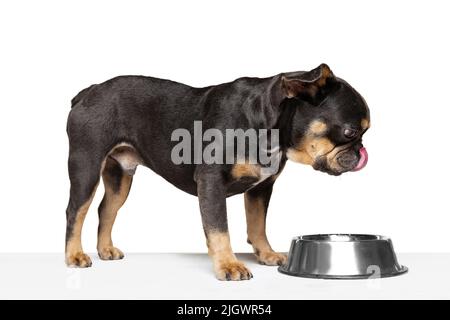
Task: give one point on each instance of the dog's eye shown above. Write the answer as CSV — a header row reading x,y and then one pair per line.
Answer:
x,y
350,133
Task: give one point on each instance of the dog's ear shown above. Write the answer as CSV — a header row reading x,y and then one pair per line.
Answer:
x,y
306,83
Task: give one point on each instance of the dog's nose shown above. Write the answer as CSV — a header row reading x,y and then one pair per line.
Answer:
x,y
347,160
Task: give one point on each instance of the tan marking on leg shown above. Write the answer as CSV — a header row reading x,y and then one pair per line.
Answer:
x,y
226,265
111,203
256,230
75,257
240,170
365,124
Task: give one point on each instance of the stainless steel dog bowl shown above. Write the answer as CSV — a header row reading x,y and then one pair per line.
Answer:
x,y
342,256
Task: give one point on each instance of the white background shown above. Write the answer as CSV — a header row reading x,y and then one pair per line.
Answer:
x,y
395,53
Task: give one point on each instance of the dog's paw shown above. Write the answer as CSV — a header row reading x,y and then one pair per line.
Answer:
x,y
78,260
232,270
110,253
271,258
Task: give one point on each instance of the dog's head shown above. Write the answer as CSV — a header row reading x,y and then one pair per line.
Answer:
x,y
328,122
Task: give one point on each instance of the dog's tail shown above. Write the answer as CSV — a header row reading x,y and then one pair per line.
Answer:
x,y
81,95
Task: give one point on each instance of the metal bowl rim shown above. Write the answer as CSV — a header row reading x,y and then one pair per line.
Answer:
x,y
304,238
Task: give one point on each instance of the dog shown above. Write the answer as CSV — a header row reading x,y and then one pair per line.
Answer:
x,y
129,120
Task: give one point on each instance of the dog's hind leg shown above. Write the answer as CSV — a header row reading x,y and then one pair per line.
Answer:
x,y
84,173
117,183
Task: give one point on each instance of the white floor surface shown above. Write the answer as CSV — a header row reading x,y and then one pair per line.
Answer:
x,y
189,276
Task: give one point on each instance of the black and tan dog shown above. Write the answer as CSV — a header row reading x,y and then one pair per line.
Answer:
x,y
128,121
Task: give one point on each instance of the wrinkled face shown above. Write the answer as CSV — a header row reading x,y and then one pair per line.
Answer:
x,y
327,131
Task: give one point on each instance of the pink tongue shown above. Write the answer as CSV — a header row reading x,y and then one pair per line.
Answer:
x,y
363,158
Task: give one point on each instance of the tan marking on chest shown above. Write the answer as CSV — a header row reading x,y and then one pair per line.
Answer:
x,y
250,170
241,170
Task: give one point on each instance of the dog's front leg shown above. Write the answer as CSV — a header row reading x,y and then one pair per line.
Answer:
x,y
211,193
256,204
